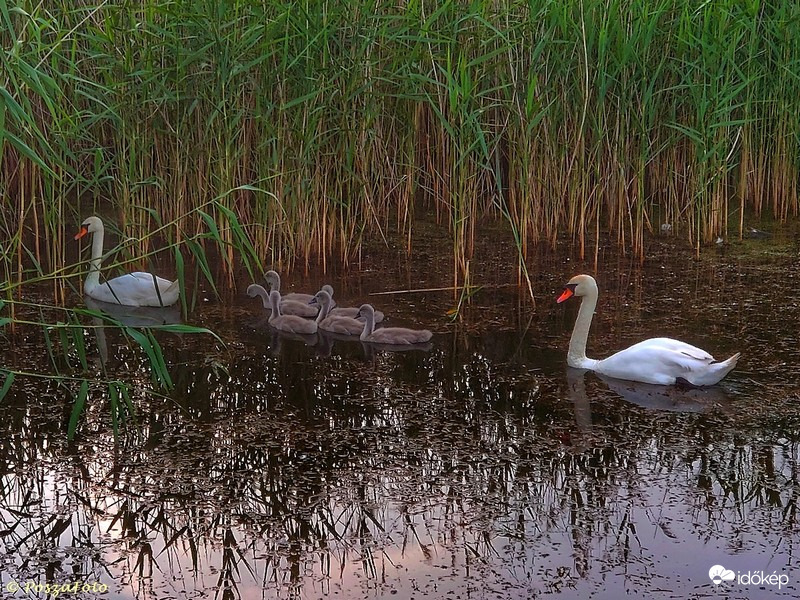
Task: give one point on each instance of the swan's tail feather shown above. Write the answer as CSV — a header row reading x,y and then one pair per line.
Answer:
x,y
166,295
715,371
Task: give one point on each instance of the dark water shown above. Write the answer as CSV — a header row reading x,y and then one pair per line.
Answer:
x,y
480,468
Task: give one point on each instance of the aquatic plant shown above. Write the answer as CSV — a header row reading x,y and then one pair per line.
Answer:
x,y
78,367
320,125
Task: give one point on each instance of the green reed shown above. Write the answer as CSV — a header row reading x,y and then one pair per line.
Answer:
x,y
321,125
74,338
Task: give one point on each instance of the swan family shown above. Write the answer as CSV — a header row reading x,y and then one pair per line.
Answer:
x,y
345,321
660,361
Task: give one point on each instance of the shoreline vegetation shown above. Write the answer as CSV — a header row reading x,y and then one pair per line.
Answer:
x,y
280,134
313,126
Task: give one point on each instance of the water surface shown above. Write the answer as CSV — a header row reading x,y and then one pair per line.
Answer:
x,y
480,467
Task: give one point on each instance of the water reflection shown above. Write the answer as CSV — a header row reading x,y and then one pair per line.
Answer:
x,y
654,397
278,337
371,348
480,468
137,316
111,316
671,398
327,475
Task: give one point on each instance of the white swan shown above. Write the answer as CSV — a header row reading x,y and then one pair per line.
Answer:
x,y
133,289
289,323
334,323
662,361
288,307
274,283
389,335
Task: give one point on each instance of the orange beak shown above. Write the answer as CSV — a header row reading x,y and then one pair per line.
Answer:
x,y
565,295
84,230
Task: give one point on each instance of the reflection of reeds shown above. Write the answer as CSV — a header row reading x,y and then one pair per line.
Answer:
x,y
77,354
62,331
282,482
319,124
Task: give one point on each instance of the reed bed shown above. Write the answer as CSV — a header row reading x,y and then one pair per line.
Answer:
x,y
322,124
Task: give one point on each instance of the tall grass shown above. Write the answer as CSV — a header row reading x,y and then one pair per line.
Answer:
x,y
77,367
321,124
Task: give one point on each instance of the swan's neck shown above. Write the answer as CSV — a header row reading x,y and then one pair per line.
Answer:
x,y
369,325
264,295
275,303
93,278
576,357
324,309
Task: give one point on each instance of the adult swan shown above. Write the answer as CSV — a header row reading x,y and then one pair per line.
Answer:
x,y
133,289
662,361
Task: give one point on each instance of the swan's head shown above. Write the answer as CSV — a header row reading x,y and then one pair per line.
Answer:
x,y
327,288
321,297
364,310
254,290
273,280
90,225
580,285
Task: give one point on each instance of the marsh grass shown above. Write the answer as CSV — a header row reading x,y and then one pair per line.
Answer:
x,y
64,331
320,125
77,365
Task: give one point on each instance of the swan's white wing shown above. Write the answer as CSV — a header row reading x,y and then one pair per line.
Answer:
x,y
661,361
677,346
138,289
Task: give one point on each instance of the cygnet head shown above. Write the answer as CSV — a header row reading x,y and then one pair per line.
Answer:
x,y
254,290
273,280
580,285
322,297
365,310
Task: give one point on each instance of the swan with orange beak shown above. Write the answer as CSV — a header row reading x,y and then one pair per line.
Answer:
x,y
133,289
661,361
